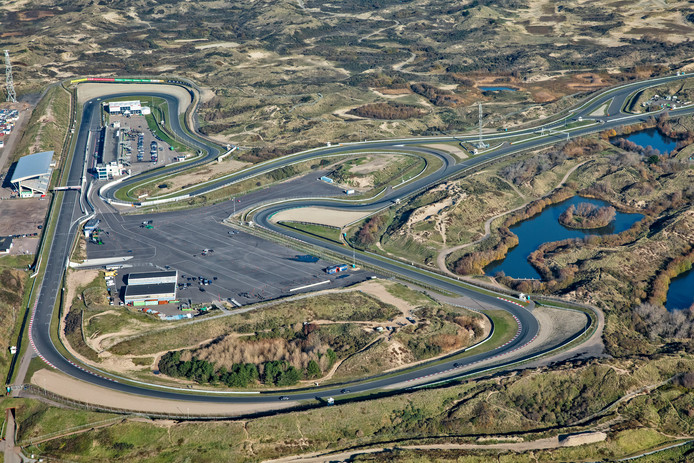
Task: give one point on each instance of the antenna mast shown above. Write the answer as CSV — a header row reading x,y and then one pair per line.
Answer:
x,y
11,95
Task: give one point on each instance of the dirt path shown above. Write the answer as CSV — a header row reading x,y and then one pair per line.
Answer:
x,y
400,65
514,187
337,365
361,39
441,258
317,457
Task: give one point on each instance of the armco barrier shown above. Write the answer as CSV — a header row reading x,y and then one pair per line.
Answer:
x,y
160,201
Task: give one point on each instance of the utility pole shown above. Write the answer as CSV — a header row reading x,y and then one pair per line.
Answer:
x,y
11,95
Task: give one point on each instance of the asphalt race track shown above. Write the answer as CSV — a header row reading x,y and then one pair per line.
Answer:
x,y
124,228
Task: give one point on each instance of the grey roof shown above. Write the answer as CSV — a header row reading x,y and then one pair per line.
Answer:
x,y
91,224
153,289
5,243
33,165
143,275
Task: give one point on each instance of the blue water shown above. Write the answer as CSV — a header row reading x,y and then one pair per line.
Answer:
x,y
545,227
495,89
680,294
651,137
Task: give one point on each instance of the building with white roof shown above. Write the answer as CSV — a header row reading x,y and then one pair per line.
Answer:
x,y
125,107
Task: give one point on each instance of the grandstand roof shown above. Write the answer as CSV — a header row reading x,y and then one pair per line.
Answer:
x,y
33,165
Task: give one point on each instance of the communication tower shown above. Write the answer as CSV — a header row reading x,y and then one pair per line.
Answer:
x,y
11,95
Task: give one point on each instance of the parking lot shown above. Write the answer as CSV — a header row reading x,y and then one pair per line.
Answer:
x,y
240,268
130,128
23,217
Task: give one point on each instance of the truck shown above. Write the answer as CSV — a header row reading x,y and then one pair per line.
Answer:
x,y
336,269
349,192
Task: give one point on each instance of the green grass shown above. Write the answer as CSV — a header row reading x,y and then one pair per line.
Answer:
x,y
38,419
35,365
48,133
19,262
114,322
409,295
493,406
153,122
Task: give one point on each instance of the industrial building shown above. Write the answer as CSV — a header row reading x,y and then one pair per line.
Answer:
x,y
150,288
152,278
5,244
149,294
125,107
32,174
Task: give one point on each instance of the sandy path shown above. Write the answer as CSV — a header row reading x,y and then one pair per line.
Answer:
x,y
87,91
441,258
317,457
84,392
319,215
400,65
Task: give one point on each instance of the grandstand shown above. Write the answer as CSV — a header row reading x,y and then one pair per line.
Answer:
x,y
32,174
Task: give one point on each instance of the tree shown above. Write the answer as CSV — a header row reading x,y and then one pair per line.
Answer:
x,y
313,370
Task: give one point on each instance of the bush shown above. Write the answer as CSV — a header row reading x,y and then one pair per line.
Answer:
x,y
388,111
587,215
276,372
370,232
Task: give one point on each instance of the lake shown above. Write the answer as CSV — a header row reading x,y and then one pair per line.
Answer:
x,y
497,89
545,227
680,294
652,137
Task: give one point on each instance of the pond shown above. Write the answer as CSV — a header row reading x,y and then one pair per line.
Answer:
x,y
497,89
653,138
545,227
680,294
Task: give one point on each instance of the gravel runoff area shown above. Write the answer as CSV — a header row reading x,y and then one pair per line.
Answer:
x,y
320,216
74,389
87,91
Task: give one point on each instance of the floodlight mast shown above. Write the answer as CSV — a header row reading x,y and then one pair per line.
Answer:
x,y
9,82
481,143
